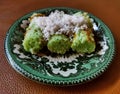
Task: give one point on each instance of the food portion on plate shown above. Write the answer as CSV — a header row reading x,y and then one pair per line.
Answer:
x,y
59,32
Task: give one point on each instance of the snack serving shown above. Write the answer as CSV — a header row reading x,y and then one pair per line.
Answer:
x,y
59,46
60,32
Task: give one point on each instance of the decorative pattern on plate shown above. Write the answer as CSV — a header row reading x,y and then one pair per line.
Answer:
x,y
68,69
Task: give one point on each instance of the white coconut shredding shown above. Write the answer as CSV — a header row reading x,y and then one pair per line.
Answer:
x,y
59,23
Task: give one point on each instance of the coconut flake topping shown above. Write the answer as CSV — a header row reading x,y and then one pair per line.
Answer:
x,y
59,23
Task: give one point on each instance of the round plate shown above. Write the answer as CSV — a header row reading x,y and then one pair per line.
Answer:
x,y
68,69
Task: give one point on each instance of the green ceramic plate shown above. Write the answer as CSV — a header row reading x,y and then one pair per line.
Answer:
x,y
68,69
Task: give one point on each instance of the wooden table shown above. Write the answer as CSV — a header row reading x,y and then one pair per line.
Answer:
x,y
13,83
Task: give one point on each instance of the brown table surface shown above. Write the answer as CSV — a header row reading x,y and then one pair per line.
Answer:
x,y
13,83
